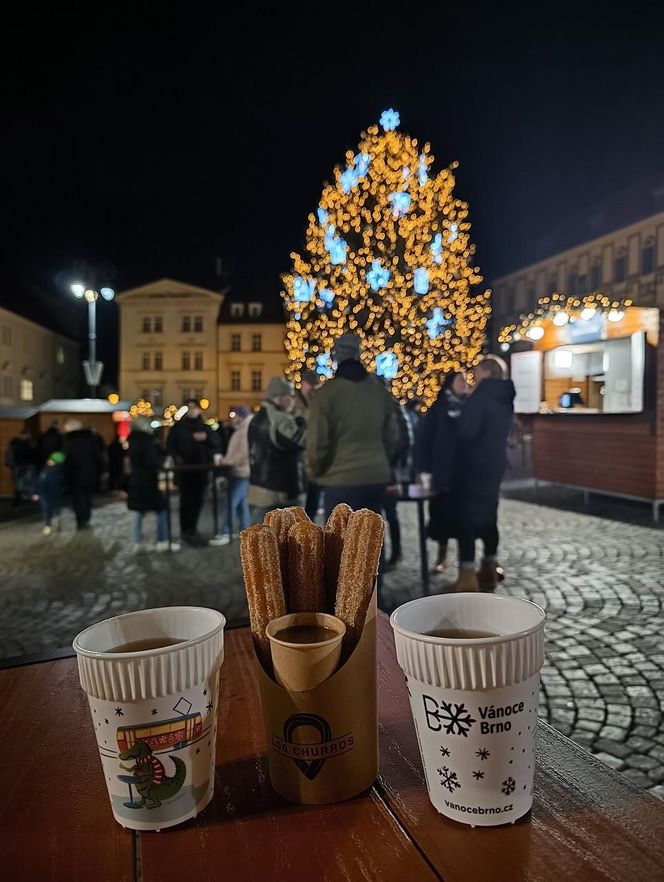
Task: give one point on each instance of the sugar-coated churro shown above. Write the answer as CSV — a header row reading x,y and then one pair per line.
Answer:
x,y
259,552
305,590
281,520
299,512
335,531
357,572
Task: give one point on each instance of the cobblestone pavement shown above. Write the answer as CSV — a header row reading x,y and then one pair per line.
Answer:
x,y
601,581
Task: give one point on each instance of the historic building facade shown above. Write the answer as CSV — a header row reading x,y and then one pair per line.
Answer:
x,y
180,341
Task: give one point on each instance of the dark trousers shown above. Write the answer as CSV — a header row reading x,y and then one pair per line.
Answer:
x,y
312,502
192,494
392,518
467,536
356,495
81,502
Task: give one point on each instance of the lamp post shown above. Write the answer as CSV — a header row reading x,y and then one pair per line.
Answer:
x,y
92,368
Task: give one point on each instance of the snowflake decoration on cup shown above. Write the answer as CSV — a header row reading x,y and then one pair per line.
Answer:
x,y
421,280
389,120
449,779
455,718
508,786
400,203
378,276
303,289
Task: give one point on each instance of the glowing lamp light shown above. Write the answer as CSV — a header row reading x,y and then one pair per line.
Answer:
x,y
107,293
616,315
516,337
90,295
535,333
78,290
155,424
504,347
180,412
204,403
113,398
588,313
560,319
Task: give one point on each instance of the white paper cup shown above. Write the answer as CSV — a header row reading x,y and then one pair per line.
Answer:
x,y
474,702
155,711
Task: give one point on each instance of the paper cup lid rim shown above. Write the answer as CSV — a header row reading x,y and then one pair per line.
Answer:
x,y
94,653
470,641
337,636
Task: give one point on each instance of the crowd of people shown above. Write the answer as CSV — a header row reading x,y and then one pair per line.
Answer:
x,y
344,440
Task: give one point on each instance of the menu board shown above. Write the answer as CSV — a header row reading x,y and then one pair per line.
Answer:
x,y
526,371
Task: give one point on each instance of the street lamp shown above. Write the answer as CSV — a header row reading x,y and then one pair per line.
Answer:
x,y
92,368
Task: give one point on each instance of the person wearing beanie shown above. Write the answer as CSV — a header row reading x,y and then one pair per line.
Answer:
x,y
50,484
144,495
353,433
192,442
82,467
237,458
309,383
276,439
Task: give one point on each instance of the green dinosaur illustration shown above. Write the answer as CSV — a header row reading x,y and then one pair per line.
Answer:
x,y
151,781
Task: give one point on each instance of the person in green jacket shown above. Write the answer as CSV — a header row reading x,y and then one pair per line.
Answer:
x,y
352,433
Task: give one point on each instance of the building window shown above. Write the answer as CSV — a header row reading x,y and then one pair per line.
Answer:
x,y
198,323
236,342
59,355
198,361
186,361
256,381
6,335
595,276
27,390
256,342
254,310
146,324
235,381
619,267
648,258
146,361
237,310
158,326
158,361
186,324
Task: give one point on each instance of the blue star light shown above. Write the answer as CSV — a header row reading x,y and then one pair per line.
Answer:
x,y
454,232
324,365
436,324
335,247
437,248
400,203
322,216
303,289
326,296
362,161
421,280
389,119
387,365
379,276
353,173
422,174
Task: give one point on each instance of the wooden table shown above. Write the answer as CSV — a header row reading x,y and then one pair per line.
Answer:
x,y
588,823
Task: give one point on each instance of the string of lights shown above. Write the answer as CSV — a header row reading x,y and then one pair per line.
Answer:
x,y
388,256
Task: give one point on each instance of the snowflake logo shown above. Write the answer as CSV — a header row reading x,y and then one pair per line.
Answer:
x,y
483,753
455,718
509,786
448,779
445,751
478,775
389,119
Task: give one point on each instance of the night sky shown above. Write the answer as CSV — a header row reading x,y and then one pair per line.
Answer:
x,y
147,143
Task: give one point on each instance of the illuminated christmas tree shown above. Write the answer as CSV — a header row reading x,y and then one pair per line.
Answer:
x,y
388,256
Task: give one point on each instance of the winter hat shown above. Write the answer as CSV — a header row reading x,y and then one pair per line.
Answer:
x,y
58,457
241,410
279,386
347,346
311,377
142,424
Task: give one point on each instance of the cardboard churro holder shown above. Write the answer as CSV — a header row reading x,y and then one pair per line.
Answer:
x,y
322,744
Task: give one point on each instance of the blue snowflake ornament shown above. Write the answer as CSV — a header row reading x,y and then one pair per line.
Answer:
x,y
303,289
348,180
436,323
324,365
326,296
387,365
353,173
378,276
437,248
421,280
389,120
322,216
400,203
405,172
361,161
422,174
454,232
335,247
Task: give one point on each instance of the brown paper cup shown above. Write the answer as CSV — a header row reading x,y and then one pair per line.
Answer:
x,y
322,743
300,666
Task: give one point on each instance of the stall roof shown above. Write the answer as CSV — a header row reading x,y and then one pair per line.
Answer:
x,y
81,405
17,412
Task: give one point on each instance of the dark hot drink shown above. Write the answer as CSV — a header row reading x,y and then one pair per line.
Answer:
x,y
306,634
460,633
147,643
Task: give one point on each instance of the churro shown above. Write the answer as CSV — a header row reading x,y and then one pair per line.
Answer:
x,y
299,512
305,587
357,572
281,520
335,531
259,552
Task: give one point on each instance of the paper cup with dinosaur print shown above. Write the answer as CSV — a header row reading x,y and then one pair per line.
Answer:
x,y
472,664
152,680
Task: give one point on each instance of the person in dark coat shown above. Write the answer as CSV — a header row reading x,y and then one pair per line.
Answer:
x,y
49,491
436,455
82,464
192,443
20,459
484,427
116,461
49,442
144,495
